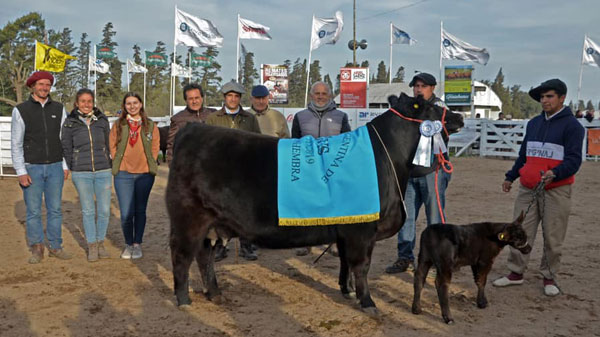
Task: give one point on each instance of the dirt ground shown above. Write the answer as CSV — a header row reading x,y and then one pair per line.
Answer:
x,y
284,295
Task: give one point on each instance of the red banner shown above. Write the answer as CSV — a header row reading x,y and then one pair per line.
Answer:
x,y
593,142
353,87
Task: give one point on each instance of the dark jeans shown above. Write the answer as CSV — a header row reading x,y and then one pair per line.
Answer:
x,y
133,191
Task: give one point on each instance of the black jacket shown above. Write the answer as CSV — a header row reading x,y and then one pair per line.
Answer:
x,y
41,142
86,148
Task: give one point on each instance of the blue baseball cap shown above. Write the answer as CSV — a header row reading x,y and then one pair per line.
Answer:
x,y
260,91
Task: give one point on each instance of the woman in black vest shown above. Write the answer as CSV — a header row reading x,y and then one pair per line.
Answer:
x,y
134,145
85,146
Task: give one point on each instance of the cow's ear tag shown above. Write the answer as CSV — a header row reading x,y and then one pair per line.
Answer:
x,y
416,106
501,236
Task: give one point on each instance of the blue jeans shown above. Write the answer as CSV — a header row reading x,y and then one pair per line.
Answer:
x,y
419,191
133,191
46,180
88,185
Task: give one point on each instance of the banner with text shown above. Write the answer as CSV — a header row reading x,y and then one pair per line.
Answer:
x,y
353,87
275,78
457,85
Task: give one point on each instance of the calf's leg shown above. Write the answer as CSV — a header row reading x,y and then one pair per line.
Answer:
x,y
344,277
480,273
359,260
442,283
423,267
205,258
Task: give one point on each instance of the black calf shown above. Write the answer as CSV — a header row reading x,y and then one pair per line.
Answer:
x,y
449,247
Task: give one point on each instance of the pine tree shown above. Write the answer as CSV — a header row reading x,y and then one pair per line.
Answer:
x,y
158,86
399,77
108,86
503,93
581,105
297,83
210,79
249,75
65,82
315,73
382,76
136,80
83,54
589,106
327,80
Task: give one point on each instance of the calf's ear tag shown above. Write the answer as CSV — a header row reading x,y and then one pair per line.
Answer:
x,y
416,106
501,236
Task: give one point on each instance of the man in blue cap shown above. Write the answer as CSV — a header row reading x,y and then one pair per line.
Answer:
x,y
550,152
271,122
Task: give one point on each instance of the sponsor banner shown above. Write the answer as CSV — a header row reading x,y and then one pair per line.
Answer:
x,y
156,59
593,142
457,85
353,87
50,59
201,60
275,78
105,52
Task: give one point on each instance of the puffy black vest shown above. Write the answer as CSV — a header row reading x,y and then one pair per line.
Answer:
x,y
41,144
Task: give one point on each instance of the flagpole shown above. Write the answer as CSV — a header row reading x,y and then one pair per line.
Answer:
x,y
308,65
35,57
95,76
128,75
237,58
88,79
391,44
174,61
145,66
441,91
190,65
581,68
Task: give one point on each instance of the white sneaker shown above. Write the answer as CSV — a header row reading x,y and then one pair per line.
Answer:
x,y
551,290
504,281
137,252
126,254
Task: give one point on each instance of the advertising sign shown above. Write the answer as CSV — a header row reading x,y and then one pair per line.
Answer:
x,y
275,78
353,87
457,85
593,142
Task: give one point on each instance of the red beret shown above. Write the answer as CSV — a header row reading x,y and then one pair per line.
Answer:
x,y
39,75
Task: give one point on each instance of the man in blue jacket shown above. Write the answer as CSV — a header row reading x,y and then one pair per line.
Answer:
x,y
551,151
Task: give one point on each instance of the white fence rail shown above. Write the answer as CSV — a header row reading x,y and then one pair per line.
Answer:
x,y
481,137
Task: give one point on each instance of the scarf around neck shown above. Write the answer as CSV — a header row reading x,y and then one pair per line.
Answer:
x,y
134,130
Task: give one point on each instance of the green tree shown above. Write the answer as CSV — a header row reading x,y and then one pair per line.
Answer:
x,y
83,54
108,86
581,105
382,74
136,80
210,79
297,83
249,75
65,81
589,106
399,77
17,41
503,93
158,86
327,80
315,72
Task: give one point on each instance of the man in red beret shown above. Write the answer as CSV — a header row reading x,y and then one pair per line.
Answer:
x,y
37,158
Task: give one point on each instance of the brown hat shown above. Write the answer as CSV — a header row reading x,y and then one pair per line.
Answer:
x,y
39,75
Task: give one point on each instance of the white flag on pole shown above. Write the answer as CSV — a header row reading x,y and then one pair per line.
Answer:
x,y
401,37
98,65
326,30
251,30
195,32
591,53
180,71
454,48
135,68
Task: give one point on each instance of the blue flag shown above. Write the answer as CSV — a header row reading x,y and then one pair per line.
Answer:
x,y
401,37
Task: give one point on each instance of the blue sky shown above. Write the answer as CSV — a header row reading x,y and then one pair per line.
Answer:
x,y
531,40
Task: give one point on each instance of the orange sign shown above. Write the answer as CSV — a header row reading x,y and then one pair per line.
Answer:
x,y
593,142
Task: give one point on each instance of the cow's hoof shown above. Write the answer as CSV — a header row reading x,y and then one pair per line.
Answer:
x,y
350,295
216,299
416,310
371,312
448,320
482,304
184,301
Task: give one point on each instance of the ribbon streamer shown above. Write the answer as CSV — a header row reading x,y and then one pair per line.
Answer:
x,y
430,137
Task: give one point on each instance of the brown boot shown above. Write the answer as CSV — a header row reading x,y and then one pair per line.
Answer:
x,y
59,254
102,253
37,253
92,252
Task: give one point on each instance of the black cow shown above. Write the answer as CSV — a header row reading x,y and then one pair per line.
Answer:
x,y
227,187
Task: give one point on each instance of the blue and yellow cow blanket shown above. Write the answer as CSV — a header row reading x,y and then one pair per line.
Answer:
x,y
327,181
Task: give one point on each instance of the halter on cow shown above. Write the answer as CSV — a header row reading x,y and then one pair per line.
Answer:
x,y
223,184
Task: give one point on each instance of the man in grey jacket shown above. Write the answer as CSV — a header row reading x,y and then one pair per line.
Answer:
x,y
321,118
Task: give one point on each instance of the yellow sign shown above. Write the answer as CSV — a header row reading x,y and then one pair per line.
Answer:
x,y
50,59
